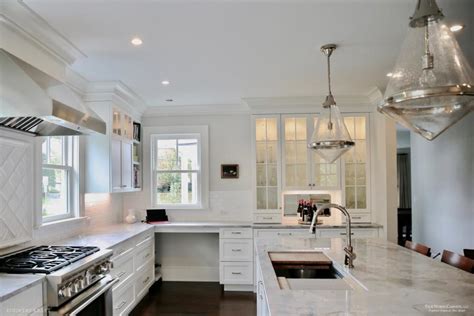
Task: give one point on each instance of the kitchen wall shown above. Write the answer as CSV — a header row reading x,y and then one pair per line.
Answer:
x,y
443,188
229,143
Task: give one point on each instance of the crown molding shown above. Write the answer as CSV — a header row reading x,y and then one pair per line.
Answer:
x,y
187,110
375,97
116,92
25,22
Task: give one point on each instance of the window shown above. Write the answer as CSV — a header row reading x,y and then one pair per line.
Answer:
x,y
58,178
176,170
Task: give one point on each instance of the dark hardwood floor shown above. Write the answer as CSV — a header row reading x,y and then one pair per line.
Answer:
x,y
195,298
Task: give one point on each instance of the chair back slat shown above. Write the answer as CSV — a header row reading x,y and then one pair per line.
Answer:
x,y
469,253
458,261
420,248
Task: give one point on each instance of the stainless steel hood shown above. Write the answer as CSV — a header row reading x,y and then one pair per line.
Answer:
x,y
35,103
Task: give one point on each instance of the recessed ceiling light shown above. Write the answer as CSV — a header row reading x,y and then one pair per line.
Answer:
x,y
169,100
165,82
136,41
389,74
456,27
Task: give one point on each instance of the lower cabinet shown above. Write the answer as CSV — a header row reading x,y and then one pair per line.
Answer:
x,y
262,303
134,266
30,302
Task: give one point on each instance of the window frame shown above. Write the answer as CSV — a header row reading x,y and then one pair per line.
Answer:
x,y
199,132
71,166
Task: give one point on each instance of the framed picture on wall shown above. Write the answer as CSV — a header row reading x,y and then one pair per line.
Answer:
x,y
229,171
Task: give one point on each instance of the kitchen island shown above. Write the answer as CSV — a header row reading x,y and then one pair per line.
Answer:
x,y
387,280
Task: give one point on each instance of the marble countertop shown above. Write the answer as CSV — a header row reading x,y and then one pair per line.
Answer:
x,y
257,226
393,281
12,284
302,226
107,236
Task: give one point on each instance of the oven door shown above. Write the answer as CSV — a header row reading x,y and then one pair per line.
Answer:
x,y
95,301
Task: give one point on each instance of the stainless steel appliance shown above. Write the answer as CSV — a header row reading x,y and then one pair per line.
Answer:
x,y
78,279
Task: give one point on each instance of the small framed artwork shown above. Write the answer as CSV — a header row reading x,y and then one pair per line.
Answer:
x,y
229,171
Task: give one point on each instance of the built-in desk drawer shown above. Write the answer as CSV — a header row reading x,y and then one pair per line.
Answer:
x,y
356,232
236,250
123,299
236,272
144,253
236,233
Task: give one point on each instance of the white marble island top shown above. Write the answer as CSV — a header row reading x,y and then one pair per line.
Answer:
x,y
395,281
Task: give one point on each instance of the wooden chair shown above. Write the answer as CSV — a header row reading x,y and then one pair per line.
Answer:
x,y
420,248
458,261
469,253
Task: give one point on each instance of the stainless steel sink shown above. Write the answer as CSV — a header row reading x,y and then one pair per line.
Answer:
x,y
307,272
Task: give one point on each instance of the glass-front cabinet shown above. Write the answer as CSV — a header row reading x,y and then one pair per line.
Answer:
x,y
303,169
284,163
267,166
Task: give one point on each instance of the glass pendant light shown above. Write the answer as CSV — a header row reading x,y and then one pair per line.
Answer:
x,y
431,87
330,138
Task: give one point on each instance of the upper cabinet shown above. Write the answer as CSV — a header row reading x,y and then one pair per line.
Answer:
x,y
303,169
113,161
283,162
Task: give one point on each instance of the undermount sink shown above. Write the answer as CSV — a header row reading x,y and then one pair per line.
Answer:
x,y
308,270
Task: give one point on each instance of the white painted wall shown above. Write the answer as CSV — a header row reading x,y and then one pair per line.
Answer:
x,y
443,188
403,139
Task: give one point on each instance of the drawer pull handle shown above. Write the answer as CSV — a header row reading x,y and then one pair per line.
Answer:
x,y
147,255
146,280
267,217
236,233
237,250
236,273
356,217
121,274
285,234
120,305
343,234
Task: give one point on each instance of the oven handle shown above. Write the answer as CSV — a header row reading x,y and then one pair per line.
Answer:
x,y
97,291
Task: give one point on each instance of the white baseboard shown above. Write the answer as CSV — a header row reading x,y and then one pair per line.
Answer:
x,y
190,274
239,287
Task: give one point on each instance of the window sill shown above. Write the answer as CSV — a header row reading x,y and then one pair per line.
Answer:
x,y
74,220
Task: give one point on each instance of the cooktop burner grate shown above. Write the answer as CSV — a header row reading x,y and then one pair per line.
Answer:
x,y
44,259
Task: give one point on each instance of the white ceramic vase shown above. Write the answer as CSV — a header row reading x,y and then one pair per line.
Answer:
x,y
131,218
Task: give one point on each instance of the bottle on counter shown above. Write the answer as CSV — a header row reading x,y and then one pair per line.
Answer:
x,y
300,209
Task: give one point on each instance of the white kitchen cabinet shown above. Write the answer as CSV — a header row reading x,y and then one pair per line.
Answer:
x,y
113,160
302,168
30,302
262,303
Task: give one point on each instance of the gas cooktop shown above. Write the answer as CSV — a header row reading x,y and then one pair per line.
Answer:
x,y
44,259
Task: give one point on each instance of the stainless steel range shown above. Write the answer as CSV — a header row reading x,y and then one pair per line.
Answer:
x,y
78,280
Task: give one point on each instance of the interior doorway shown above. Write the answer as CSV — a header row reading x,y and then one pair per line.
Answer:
x,y
404,184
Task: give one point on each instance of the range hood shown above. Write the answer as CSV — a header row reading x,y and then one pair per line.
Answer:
x,y
35,103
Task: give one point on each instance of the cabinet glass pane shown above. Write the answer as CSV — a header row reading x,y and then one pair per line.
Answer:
x,y
350,197
261,152
290,129
350,174
290,153
290,175
260,129
332,180
350,126
361,198
301,152
360,151
272,152
272,175
360,127
360,174
127,126
261,198
261,175
116,123
272,198
272,132
301,128
301,175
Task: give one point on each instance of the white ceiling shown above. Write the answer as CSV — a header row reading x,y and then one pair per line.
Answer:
x,y
217,52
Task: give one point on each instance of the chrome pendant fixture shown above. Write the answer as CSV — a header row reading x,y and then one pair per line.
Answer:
x,y
431,87
330,138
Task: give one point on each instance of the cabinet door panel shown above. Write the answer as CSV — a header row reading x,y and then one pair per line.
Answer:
x,y
116,164
126,165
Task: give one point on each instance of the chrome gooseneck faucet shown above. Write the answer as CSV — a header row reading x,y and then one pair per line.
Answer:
x,y
350,255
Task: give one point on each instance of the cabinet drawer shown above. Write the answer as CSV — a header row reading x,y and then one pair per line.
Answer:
x,y
123,299
144,238
368,233
25,303
267,218
359,218
236,272
144,254
123,249
144,280
123,269
236,250
236,233
273,233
